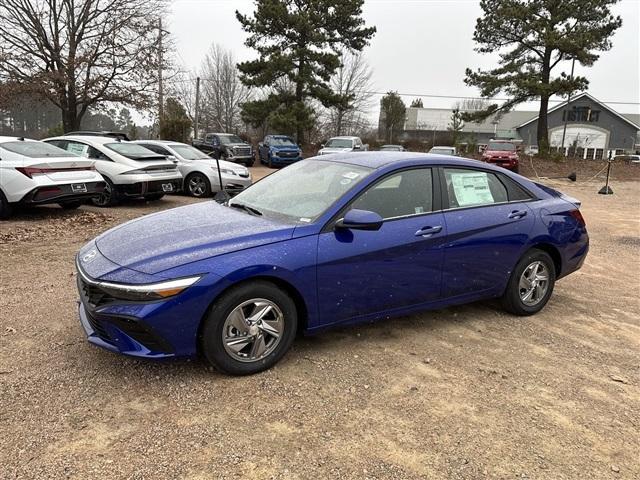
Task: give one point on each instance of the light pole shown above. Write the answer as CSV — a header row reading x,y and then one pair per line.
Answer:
x,y
566,113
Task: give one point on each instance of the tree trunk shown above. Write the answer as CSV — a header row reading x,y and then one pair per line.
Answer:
x,y
543,127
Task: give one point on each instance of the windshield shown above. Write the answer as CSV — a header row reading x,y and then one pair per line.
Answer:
x,y
189,153
229,139
339,143
303,191
36,149
133,150
501,146
282,142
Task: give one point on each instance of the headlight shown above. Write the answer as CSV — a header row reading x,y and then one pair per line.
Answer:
x,y
226,171
152,291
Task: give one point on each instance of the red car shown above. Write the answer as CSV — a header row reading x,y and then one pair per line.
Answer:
x,y
502,153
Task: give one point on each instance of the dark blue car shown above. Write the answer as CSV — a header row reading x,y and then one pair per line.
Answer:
x,y
278,150
328,241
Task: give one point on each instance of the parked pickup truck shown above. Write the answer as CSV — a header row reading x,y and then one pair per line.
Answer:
x,y
277,150
343,144
226,146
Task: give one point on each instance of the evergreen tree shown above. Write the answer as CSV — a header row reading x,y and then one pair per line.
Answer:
x,y
300,41
417,103
176,124
532,37
393,112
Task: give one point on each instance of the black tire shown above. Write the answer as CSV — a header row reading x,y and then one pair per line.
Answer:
x,y
109,196
512,300
152,197
270,161
516,169
72,205
211,339
5,207
199,180
250,162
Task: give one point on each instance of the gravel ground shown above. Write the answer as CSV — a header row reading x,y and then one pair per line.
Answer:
x,y
460,393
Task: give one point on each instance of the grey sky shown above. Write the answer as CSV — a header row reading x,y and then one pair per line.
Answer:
x,y
421,47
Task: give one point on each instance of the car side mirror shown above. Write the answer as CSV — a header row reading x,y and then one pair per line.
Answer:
x,y
356,219
322,145
262,144
357,147
172,158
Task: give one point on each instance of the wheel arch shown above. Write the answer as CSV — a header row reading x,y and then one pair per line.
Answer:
x,y
554,253
293,292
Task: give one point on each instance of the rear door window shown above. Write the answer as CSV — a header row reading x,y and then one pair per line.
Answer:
x,y
471,188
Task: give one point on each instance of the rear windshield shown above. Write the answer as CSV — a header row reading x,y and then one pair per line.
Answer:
x,y
190,153
36,149
501,146
133,151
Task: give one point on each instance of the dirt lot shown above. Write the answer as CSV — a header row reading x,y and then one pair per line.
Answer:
x,y
461,393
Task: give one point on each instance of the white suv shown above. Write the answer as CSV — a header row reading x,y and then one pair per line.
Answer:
x,y
36,173
130,170
199,170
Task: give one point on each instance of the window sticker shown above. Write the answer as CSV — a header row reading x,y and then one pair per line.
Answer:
x,y
471,188
345,181
305,219
77,148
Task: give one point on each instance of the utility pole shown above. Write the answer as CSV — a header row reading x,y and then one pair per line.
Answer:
x,y
160,86
566,112
197,113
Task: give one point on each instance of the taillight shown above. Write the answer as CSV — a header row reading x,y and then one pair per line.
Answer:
x,y
578,216
31,171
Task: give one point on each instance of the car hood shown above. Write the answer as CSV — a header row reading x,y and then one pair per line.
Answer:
x,y
187,234
328,150
288,148
500,153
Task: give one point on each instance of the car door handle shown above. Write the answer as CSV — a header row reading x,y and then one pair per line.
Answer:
x,y
517,214
428,231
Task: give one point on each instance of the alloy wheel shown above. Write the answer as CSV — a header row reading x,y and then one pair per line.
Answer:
x,y
105,196
534,283
253,330
197,186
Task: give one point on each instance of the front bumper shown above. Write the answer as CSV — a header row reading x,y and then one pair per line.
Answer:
x,y
276,160
509,164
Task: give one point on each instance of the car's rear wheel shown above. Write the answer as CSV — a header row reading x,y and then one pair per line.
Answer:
x,y
5,207
152,197
531,284
198,185
108,198
249,329
70,205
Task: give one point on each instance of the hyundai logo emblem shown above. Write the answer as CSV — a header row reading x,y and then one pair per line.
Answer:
x,y
87,257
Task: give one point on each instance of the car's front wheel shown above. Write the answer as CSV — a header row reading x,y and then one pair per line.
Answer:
x,y
197,185
531,284
249,329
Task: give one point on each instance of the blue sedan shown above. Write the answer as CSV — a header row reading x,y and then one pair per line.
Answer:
x,y
329,241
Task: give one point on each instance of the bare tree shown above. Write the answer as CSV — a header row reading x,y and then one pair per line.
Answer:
x,y
222,91
471,105
82,53
352,82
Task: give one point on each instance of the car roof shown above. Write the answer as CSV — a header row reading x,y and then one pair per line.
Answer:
x,y
443,146
13,139
89,139
382,159
158,142
344,136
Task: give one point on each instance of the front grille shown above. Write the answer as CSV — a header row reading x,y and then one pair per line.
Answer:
x,y
287,154
92,294
242,150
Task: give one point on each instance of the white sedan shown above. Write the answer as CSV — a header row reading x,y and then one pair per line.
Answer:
x,y
36,173
130,170
200,171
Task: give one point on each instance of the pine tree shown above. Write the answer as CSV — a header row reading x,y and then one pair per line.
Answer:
x,y
300,41
417,103
532,37
393,112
